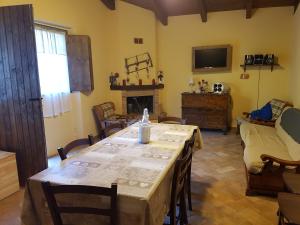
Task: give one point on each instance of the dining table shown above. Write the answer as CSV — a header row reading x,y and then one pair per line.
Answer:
x,y
143,173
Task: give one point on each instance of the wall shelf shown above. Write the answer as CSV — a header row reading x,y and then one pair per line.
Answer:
x,y
272,66
136,87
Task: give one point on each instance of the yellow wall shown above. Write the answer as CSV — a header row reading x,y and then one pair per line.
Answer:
x,y
84,17
295,72
269,31
112,34
129,22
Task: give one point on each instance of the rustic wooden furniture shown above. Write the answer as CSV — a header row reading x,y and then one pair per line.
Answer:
x,y
164,8
113,128
21,117
9,182
292,182
267,159
289,211
56,209
270,180
189,172
171,120
136,87
74,144
178,186
209,110
105,114
80,63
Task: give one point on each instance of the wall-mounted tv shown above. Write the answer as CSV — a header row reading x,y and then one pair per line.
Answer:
x,y
215,58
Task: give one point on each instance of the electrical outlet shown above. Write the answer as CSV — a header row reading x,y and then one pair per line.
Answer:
x,y
138,41
245,76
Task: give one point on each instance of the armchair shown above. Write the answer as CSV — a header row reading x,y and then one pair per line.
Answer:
x,y
105,115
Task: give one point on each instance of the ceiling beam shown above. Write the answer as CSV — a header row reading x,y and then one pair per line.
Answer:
x,y
111,4
296,5
203,11
249,7
160,14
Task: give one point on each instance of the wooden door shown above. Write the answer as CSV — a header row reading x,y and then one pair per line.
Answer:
x,y
21,118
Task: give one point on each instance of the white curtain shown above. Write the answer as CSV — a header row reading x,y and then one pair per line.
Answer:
x,y
53,71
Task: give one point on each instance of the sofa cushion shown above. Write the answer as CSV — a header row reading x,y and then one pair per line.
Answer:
x,y
261,140
288,129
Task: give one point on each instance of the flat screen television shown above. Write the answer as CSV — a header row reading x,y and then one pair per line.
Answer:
x,y
216,58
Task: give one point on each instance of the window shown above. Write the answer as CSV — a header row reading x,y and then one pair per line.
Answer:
x,y
53,71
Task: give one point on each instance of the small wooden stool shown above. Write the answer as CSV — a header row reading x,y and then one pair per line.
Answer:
x,y
289,210
9,182
292,182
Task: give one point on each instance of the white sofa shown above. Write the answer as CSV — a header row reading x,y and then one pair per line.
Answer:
x,y
269,151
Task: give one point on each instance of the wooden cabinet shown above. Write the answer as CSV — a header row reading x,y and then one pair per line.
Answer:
x,y
9,182
80,63
209,110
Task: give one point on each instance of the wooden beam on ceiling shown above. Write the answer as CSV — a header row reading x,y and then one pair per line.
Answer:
x,y
159,12
111,4
249,7
296,5
203,11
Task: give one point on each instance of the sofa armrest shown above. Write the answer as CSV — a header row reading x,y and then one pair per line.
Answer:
x,y
268,158
247,114
263,123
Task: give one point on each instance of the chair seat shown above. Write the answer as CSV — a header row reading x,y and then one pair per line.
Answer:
x,y
289,207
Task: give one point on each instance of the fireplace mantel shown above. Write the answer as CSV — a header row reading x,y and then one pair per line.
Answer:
x,y
136,87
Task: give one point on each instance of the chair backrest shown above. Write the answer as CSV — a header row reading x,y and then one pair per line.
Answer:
x,y
171,120
57,209
181,169
113,128
74,144
101,113
105,110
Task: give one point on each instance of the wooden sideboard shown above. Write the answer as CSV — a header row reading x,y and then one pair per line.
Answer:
x,y
209,110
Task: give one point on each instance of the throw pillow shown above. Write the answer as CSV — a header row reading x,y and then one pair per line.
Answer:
x,y
265,113
277,108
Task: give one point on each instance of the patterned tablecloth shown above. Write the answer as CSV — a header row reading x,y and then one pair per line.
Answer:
x,y
143,173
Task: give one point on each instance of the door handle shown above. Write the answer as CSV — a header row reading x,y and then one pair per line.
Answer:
x,y
35,99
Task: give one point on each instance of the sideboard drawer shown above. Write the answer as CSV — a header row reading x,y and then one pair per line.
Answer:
x,y
203,101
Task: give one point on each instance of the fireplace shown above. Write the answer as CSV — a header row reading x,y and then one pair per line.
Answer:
x,y
134,102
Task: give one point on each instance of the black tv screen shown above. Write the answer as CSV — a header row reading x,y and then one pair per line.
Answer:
x,y
211,58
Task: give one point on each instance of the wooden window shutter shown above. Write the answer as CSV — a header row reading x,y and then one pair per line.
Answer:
x,y
80,63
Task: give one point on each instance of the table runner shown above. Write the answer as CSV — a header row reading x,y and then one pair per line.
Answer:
x,y
143,174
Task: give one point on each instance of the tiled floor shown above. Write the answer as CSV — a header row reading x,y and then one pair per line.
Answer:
x,y
218,188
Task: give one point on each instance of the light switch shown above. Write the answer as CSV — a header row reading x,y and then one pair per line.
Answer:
x,y
245,76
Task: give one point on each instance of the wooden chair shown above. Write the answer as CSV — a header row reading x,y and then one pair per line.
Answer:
x,y
57,209
74,144
289,211
189,173
171,120
178,186
113,128
105,115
